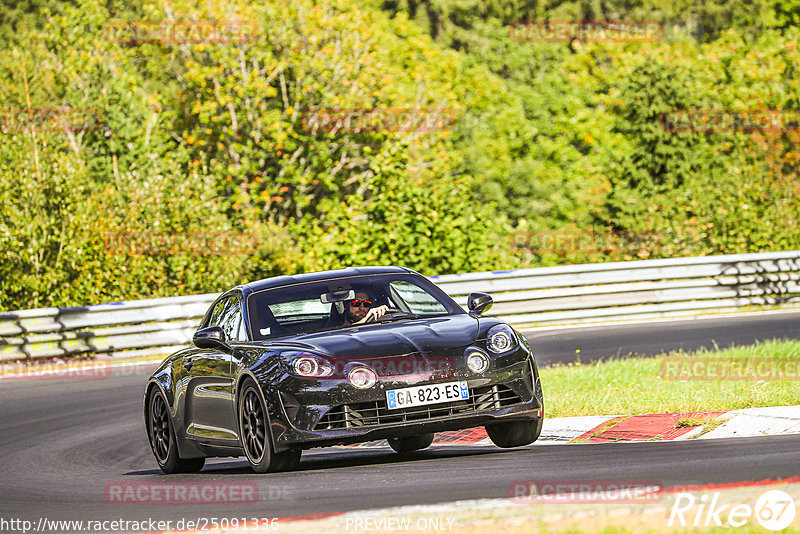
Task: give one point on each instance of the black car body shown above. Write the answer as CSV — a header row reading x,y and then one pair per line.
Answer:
x,y
273,371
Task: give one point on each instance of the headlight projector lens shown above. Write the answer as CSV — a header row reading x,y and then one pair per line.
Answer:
x,y
500,338
362,377
477,362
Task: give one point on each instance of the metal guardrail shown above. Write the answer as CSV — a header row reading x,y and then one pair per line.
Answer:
x,y
532,297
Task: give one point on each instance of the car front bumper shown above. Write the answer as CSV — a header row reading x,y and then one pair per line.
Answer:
x,y
512,393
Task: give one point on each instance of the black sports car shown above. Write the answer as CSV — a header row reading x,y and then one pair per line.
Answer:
x,y
337,357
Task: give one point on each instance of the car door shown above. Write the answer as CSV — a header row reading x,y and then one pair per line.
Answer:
x,y
211,411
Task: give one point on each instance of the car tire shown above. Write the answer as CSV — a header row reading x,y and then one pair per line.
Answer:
x,y
162,438
411,443
255,435
514,434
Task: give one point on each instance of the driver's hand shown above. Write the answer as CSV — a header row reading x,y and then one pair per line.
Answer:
x,y
373,314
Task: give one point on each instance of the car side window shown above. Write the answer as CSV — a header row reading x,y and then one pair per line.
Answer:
x,y
231,320
219,307
242,334
411,297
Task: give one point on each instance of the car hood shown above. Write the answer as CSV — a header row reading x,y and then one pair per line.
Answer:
x,y
422,336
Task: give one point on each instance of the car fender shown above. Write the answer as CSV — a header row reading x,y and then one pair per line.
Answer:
x,y
163,379
277,422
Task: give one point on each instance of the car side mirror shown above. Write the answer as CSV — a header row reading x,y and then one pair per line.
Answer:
x,y
479,303
212,337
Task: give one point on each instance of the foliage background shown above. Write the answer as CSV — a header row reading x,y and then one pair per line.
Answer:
x,y
546,138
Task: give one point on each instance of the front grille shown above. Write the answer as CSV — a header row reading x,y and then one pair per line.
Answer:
x,y
376,413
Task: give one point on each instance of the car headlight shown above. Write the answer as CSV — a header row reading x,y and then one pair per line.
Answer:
x,y
307,364
477,362
501,338
362,377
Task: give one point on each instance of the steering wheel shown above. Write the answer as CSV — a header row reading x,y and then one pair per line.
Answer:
x,y
372,319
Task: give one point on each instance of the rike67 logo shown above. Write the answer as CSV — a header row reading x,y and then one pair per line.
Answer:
x,y
774,510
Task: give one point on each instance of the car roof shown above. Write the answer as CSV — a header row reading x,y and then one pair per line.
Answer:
x,y
286,280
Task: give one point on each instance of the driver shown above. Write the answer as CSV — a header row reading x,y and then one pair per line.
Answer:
x,y
358,310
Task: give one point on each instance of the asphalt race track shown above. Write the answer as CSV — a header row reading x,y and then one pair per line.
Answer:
x,y
656,337
63,441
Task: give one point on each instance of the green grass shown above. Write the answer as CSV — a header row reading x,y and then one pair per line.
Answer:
x,y
636,385
687,422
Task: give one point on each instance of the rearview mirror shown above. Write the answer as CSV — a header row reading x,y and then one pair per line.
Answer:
x,y
337,296
212,337
479,303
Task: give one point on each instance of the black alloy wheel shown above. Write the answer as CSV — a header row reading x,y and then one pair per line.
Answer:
x,y
256,441
162,439
254,426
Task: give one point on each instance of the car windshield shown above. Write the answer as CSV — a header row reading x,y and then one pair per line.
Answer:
x,y
341,302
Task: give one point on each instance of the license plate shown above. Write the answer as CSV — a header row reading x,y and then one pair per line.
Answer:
x,y
430,394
